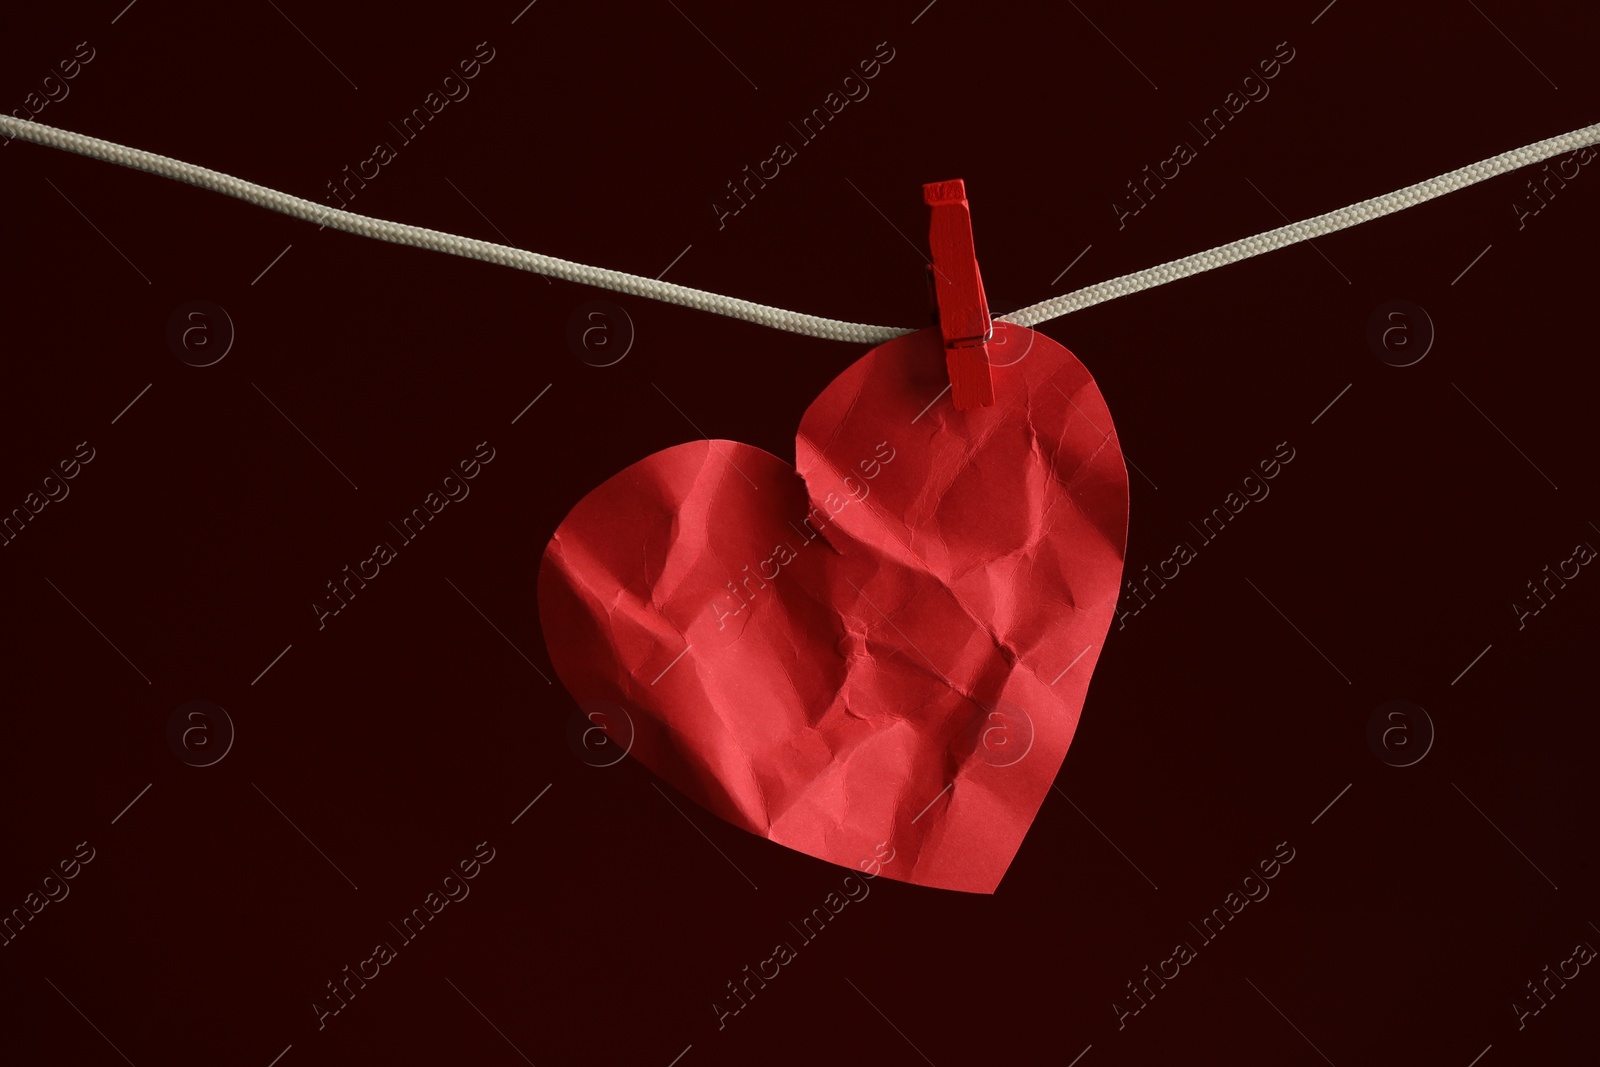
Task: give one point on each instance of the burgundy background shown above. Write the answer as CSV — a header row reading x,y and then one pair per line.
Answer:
x,y
408,730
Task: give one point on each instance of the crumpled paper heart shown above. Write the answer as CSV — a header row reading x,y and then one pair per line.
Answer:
x,y
882,650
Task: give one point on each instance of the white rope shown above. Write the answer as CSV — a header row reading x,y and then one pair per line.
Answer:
x,y
1295,232
467,247
761,314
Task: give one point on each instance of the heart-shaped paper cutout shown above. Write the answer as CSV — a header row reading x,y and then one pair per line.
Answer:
x,y
881,651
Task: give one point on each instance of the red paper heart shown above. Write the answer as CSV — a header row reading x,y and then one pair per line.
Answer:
x,y
882,651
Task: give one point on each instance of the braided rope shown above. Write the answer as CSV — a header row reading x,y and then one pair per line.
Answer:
x,y
779,319
467,247
1295,232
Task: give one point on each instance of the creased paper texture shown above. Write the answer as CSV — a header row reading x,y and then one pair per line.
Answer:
x,y
889,641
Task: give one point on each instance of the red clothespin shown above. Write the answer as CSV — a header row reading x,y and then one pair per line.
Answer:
x,y
959,303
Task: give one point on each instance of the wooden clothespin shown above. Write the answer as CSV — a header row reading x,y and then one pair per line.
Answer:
x,y
959,304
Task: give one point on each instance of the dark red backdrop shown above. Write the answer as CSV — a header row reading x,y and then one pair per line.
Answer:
x,y
379,751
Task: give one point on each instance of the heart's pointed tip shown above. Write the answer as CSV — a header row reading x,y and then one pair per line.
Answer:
x,y
982,887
